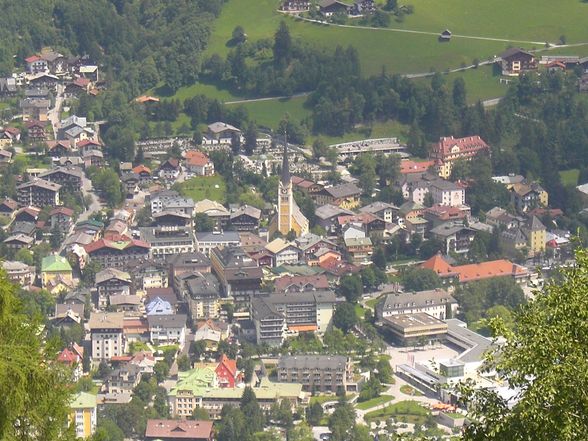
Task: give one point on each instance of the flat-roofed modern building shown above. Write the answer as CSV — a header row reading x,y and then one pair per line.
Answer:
x,y
408,329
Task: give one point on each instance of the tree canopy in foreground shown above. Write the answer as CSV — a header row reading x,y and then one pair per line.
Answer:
x,y
33,391
545,361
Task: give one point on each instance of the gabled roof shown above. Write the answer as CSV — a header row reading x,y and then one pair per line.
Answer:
x,y
196,158
514,51
229,364
174,429
439,265
54,263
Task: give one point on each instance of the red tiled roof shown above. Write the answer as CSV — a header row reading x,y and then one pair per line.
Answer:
x,y
337,267
68,357
12,130
228,363
32,58
141,168
196,158
86,142
35,123
364,218
179,429
62,210
475,271
106,243
407,166
469,145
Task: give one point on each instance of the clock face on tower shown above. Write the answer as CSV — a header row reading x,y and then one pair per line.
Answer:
x,y
283,191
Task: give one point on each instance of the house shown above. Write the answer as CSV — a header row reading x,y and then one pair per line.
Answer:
x,y
172,219
531,235
178,430
73,359
8,87
343,195
476,271
295,6
209,334
363,7
239,275
330,7
327,216
439,214
208,241
282,314
43,80
283,252
526,197
106,331
359,249
301,283
198,163
456,237
7,207
447,193
499,217
227,373
150,276
18,241
8,136
123,379
58,149
110,282
61,218
88,145
450,149
245,218
437,303
202,294
38,193
214,210
117,253
93,158
170,200
34,109
170,169
515,61
445,35
144,360
159,306
323,373
187,263
35,64
36,130
55,268
143,172
168,240
383,210
83,415
90,72
19,273
77,87
167,329
221,133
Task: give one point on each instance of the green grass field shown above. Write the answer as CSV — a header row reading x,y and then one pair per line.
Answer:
x,y
205,187
269,113
569,178
374,402
408,411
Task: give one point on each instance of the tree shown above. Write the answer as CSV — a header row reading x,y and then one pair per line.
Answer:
x,y
198,348
184,363
314,413
250,138
161,370
239,35
34,395
251,410
345,317
107,430
202,222
199,413
282,45
56,237
420,279
545,362
301,432
351,287
342,422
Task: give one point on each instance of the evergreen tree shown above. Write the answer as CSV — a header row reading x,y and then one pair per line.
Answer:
x,y
282,45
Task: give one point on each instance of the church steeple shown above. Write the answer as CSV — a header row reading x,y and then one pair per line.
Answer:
x,y
285,165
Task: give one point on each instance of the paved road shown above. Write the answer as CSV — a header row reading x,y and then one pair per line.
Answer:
x,y
53,114
95,206
271,98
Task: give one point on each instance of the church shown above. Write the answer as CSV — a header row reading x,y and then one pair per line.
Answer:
x,y
289,217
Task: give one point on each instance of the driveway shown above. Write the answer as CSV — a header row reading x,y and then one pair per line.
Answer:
x,y
53,113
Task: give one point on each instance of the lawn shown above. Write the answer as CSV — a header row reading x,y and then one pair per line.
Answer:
x,y
269,113
374,402
384,129
321,399
397,52
200,88
406,411
409,390
373,302
481,83
205,187
569,178
534,20
359,311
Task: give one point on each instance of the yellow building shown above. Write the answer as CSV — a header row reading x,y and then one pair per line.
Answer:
x,y
450,149
289,217
56,273
83,414
536,236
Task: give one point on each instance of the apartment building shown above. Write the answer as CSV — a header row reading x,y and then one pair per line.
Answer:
x,y
324,373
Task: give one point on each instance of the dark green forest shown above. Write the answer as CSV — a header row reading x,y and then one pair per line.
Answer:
x,y
139,42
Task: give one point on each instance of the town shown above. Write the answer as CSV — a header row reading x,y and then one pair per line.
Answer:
x,y
242,282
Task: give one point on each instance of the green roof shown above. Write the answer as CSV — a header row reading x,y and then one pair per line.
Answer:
x,y
199,382
83,400
54,264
